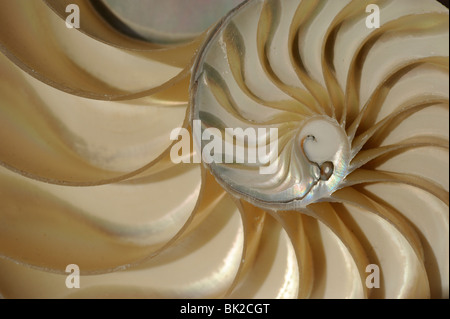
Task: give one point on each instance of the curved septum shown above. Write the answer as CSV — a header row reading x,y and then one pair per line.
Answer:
x,y
313,151
309,168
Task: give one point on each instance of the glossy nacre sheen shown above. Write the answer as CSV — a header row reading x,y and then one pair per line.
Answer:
x,y
169,21
86,176
258,70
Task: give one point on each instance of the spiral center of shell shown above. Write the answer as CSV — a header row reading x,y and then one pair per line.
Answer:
x,y
302,150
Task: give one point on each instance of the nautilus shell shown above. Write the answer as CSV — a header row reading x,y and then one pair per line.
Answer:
x,y
171,21
343,170
325,114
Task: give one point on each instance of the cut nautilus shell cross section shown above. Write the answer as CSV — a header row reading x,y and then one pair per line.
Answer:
x,y
323,100
343,127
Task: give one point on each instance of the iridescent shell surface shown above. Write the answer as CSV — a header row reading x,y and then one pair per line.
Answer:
x,y
86,177
262,71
